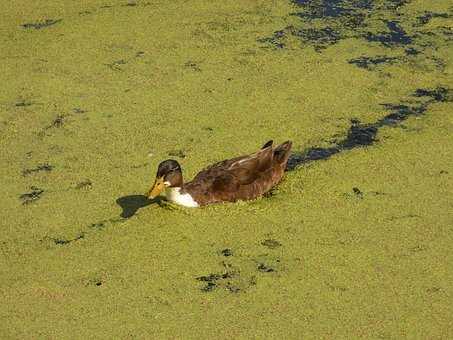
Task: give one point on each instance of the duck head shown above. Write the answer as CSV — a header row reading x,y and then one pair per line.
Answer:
x,y
168,175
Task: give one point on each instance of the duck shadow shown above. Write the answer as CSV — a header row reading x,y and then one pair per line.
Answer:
x,y
132,203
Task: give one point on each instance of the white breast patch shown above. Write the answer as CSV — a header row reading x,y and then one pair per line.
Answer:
x,y
174,195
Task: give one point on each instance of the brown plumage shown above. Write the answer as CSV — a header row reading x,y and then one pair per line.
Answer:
x,y
241,178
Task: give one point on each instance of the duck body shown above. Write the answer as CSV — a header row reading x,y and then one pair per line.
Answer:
x,y
241,178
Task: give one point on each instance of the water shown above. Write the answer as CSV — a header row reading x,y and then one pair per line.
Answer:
x,y
355,242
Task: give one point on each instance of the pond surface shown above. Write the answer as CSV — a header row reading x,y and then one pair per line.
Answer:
x,y
355,242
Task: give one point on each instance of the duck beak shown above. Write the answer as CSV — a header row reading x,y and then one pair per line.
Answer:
x,y
157,188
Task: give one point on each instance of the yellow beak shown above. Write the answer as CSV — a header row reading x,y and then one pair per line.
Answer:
x,y
157,188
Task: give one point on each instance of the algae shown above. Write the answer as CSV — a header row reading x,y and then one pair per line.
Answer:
x,y
354,243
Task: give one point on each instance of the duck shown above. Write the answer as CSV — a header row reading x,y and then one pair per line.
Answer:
x,y
241,178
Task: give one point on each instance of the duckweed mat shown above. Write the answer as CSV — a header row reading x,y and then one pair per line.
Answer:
x,y
354,243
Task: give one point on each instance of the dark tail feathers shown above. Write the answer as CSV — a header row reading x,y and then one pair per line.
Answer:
x,y
268,144
282,152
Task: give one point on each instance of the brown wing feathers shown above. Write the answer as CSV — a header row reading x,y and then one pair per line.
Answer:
x,y
245,177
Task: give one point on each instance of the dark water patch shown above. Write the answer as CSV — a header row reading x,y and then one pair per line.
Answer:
x,y
85,184
439,94
271,243
370,63
439,63
418,248
177,153
63,241
433,290
427,16
359,135
226,252
320,38
319,9
209,287
41,24
116,65
93,227
400,112
230,279
104,223
78,110
232,288
58,122
411,51
23,103
264,268
32,196
363,135
131,203
357,192
274,40
343,19
311,154
41,167
395,36
138,166
336,288
98,225
214,277
394,4
213,281
192,65
94,281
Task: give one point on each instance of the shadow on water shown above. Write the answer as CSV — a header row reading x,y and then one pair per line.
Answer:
x,y
131,203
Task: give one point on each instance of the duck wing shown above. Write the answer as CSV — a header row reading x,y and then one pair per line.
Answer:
x,y
237,171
